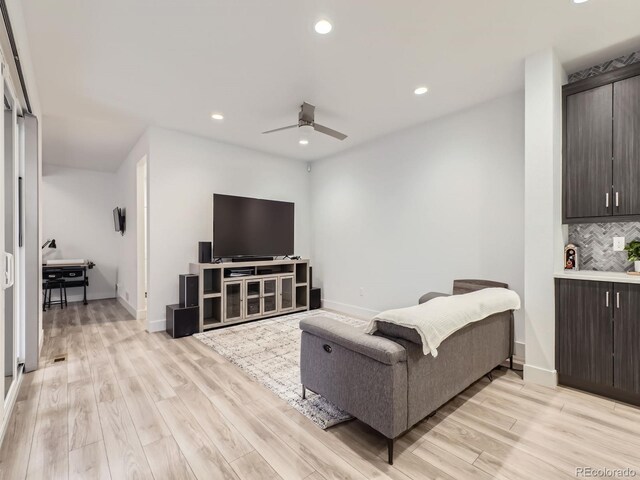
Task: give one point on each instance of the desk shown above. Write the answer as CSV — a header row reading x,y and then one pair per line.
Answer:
x,y
75,275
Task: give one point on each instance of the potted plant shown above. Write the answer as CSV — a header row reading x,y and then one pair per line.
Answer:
x,y
633,254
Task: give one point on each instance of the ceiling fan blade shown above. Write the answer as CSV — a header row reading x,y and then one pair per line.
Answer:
x,y
307,112
282,128
328,131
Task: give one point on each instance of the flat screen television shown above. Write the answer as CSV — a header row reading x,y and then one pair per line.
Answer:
x,y
251,227
119,220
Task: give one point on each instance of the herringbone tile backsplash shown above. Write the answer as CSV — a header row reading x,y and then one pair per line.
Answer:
x,y
605,67
596,244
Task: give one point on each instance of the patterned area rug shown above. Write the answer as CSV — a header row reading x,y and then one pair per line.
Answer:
x,y
269,351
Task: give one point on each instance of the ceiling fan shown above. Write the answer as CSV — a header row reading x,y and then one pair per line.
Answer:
x,y
306,119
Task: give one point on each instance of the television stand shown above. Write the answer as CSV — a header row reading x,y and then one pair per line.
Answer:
x,y
252,259
263,289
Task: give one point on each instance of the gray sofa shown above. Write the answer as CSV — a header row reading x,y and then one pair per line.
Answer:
x,y
385,380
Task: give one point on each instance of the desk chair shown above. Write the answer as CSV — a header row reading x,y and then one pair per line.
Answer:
x,y
54,279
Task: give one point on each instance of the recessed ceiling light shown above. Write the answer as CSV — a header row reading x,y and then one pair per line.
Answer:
x,y
580,1
217,116
323,27
421,90
303,141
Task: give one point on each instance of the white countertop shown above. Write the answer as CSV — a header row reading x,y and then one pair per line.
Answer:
x,y
618,277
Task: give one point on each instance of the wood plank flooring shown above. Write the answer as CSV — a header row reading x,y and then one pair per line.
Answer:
x,y
129,404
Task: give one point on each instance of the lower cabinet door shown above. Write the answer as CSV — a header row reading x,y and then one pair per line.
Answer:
x,y
233,301
252,298
585,330
626,338
269,296
286,293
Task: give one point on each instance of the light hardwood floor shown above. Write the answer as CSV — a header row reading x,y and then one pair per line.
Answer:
x,y
129,404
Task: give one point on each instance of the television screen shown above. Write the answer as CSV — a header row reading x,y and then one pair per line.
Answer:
x,y
116,218
252,227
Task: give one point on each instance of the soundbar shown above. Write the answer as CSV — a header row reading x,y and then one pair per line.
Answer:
x,y
252,259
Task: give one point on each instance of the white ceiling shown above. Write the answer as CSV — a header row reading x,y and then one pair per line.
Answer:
x,y
107,69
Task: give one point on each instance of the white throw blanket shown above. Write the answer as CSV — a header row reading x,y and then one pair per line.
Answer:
x,y
440,317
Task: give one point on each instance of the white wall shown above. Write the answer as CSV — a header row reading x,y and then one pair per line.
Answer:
x,y
127,244
413,211
544,234
184,173
77,211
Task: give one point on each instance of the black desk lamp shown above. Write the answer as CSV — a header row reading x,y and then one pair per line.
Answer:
x,y
50,243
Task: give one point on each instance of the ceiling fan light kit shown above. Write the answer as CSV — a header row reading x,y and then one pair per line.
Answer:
x,y
306,119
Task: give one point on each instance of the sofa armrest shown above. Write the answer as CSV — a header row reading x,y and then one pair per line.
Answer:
x,y
380,349
431,295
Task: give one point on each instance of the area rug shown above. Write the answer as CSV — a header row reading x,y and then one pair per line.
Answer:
x,y
269,351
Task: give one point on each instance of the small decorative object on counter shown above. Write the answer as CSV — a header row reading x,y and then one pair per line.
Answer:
x,y
571,257
633,254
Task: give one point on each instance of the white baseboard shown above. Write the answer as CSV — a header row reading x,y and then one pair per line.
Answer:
x,y
540,376
354,310
156,325
519,350
128,307
137,314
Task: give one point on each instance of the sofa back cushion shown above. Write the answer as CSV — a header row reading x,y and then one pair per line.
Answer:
x,y
468,286
391,330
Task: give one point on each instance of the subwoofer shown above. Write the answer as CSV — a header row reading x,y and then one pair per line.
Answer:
x,y
182,322
315,301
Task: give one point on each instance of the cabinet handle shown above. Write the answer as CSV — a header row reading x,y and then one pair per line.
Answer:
x,y
617,299
607,299
617,200
606,200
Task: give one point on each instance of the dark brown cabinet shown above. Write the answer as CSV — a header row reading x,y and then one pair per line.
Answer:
x,y
585,336
626,338
598,337
601,162
588,161
626,147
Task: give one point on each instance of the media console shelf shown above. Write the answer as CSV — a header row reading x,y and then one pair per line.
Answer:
x,y
231,293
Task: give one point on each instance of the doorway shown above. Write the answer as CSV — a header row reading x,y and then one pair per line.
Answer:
x,y
142,235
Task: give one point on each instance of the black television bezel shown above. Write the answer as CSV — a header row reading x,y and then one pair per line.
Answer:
x,y
213,229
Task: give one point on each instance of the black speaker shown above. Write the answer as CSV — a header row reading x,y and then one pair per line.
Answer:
x,y
314,298
204,252
182,322
188,290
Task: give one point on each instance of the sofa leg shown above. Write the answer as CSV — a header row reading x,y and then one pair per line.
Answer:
x,y
489,376
390,442
304,393
511,362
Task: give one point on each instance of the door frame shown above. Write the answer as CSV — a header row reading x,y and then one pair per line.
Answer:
x,y
142,236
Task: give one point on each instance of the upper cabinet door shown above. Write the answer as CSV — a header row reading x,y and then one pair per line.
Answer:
x,y
588,168
626,147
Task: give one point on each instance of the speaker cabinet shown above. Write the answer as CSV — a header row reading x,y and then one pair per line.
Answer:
x,y
314,298
188,290
205,252
182,321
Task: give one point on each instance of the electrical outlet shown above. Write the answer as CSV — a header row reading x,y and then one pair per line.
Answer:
x,y
362,291
618,244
